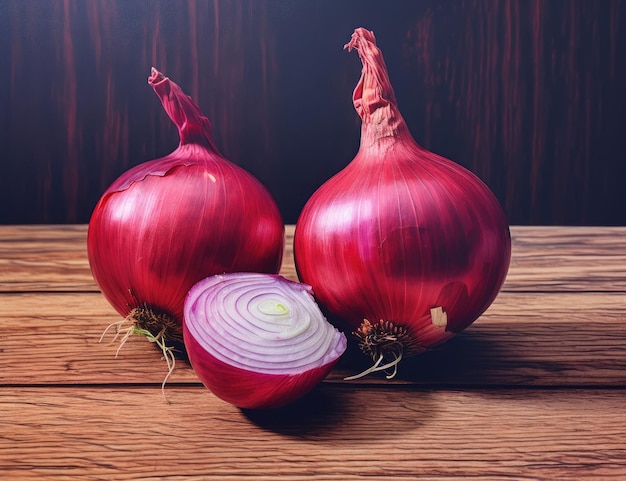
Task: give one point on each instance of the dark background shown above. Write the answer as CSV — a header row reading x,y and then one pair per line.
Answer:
x,y
529,95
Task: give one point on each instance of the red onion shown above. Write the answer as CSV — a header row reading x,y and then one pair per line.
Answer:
x,y
258,340
167,223
406,247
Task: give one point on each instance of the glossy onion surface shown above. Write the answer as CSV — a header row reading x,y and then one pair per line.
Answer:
x,y
401,231
257,340
167,223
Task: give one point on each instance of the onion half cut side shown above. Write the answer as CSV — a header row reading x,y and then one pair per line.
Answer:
x,y
258,340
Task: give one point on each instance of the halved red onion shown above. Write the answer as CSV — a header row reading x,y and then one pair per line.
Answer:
x,y
258,340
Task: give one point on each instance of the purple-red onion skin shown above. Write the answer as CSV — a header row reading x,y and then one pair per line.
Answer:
x,y
401,230
247,389
151,247
165,224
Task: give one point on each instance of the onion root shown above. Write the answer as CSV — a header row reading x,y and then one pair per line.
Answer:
x,y
384,340
146,321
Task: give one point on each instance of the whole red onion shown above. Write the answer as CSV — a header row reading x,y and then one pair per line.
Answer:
x,y
165,224
405,246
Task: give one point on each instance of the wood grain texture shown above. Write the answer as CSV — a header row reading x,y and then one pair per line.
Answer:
x,y
335,433
54,258
44,258
527,94
567,259
525,339
533,391
512,343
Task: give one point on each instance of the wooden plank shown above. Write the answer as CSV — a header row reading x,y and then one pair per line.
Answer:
x,y
72,235
44,257
568,258
336,433
53,258
54,338
534,339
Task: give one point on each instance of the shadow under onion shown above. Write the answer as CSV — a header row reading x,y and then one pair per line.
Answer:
x,y
334,412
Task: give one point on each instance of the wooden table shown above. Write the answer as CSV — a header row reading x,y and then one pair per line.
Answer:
x,y
534,390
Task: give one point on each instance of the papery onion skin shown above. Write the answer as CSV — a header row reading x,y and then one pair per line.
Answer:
x,y
167,223
253,360
400,230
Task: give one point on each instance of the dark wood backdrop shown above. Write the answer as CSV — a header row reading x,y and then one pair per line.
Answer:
x,y
528,94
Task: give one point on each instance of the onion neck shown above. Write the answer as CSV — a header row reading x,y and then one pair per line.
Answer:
x,y
373,97
193,127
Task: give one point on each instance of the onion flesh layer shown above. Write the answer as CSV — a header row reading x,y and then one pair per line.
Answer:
x,y
258,340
